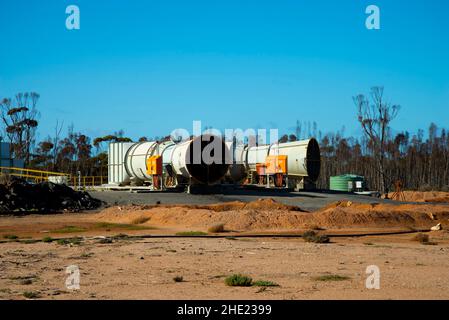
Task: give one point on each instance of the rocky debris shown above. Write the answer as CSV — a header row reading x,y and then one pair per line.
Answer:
x,y
438,227
17,195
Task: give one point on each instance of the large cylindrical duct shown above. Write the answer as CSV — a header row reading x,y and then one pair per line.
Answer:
x,y
207,159
203,159
136,157
237,170
303,157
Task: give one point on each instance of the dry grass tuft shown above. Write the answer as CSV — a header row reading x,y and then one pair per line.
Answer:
x,y
216,228
421,238
312,236
424,239
239,280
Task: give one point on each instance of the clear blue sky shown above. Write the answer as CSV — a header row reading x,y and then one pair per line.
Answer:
x,y
148,67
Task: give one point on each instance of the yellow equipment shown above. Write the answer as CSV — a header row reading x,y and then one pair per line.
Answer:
x,y
154,165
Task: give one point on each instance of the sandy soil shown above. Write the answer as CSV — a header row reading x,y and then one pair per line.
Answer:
x,y
424,196
144,269
268,215
260,216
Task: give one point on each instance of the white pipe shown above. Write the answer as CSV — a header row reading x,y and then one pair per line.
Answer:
x,y
186,159
303,158
136,157
237,170
179,158
190,159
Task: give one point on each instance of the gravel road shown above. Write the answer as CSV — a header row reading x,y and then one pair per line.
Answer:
x,y
306,200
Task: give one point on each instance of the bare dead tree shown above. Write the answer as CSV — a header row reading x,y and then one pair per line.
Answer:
x,y
375,117
56,144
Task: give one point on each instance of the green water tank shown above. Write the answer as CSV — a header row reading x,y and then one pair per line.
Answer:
x,y
347,183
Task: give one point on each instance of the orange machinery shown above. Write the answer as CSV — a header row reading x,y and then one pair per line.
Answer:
x,y
276,164
154,169
275,167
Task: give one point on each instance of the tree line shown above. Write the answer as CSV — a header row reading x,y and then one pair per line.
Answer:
x,y
419,161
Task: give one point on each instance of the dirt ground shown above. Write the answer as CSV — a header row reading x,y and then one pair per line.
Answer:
x,y
260,216
145,269
308,200
115,266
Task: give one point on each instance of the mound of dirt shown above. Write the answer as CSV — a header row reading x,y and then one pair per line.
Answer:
x,y
346,213
17,195
196,218
260,204
264,215
438,200
424,196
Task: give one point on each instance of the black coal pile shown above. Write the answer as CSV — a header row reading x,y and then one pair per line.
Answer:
x,y
17,195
